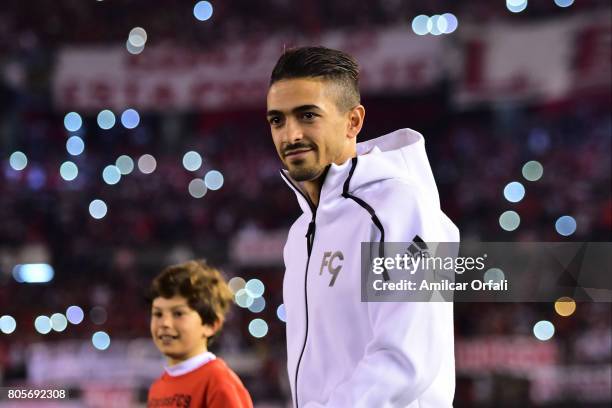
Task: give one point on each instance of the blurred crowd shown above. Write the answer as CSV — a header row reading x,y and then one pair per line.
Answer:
x,y
46,23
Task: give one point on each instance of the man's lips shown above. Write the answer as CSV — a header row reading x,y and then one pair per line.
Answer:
x,y
297,152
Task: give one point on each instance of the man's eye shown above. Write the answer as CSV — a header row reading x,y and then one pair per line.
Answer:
x,y
178,314
308,115
157,314
274,120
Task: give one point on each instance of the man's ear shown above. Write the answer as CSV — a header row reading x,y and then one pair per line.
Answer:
x,y
355,123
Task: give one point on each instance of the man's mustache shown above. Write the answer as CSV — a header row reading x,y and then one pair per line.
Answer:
x,y
297,146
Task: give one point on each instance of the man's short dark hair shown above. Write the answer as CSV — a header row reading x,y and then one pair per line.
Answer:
x,y
320,62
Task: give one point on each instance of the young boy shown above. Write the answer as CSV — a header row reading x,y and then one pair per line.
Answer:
x,y
188,305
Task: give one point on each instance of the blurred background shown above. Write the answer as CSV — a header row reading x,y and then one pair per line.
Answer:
x,y
133,136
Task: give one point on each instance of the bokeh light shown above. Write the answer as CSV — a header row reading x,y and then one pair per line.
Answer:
x,y
495,275
432,25
69,171
441,24
130,118
516,6
33,273
192,161
213,180
72,121
451,23
125,164
147,164
75,145
564,3
236,283
281,313
243,299
137,37
509,220
111,174
7,324
419,24
74,314
42,324
101,340
258,305
255,288
258,328
533,170
565,306
514,192
203,10
543,330
565,225
133,50
98,209
58,322
106,119
18,161
197,188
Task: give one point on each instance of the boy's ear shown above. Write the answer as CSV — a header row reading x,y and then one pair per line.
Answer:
x,y
211,329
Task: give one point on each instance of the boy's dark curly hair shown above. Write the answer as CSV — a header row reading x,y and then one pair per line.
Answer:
x,y
202,285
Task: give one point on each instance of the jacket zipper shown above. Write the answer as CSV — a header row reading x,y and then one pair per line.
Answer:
x,y
309,243
310,234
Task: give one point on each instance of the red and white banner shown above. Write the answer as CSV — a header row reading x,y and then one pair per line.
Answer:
x,y
507,353
535,61
232,75
538,61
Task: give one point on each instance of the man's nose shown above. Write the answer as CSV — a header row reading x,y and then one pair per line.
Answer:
x,y
292,132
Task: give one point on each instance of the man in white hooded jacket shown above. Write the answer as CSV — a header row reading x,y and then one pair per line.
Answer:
x,y
342,352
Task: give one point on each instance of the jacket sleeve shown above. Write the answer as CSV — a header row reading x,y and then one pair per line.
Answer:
x,y
412,341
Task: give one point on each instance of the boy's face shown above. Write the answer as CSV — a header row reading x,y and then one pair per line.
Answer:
x,y
177,329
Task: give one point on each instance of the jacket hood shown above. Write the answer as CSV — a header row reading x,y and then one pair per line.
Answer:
x,y
399,154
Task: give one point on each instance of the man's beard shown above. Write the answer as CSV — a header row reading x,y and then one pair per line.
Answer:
x,y
303,169
300,173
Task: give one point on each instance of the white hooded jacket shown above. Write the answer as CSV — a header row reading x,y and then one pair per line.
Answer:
x,y
342,352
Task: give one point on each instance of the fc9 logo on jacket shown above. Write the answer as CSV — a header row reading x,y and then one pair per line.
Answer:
x,y
333,262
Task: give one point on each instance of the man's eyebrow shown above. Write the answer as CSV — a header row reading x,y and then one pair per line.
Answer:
x,y
298,109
